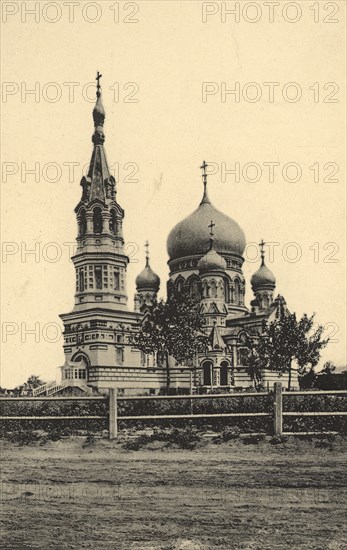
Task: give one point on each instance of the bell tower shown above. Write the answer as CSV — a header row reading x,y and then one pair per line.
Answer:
x,y
100,261
97,332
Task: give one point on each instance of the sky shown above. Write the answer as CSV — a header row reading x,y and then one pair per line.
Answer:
x,y
183,81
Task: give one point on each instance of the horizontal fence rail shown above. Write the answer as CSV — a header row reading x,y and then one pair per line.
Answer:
x,y
198,415
195,396
55,398
277,413
62,417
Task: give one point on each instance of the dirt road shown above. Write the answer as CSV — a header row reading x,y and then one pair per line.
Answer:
x,y
229,496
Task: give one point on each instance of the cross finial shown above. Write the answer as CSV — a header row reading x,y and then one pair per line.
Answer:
x,y
211,226
147,252
262,253
98,76
204,173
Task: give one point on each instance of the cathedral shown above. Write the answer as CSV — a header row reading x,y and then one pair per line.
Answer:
x,y
205,259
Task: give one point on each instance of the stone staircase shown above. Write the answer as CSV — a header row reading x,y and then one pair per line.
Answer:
x,y
52,388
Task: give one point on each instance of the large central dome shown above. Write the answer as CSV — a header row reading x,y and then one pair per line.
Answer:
x,y
190,236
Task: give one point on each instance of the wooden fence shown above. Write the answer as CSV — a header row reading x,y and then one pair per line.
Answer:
x,y
113,418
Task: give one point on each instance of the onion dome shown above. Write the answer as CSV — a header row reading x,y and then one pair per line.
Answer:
x,y
147,279
212,261
188,237
99,112
263,278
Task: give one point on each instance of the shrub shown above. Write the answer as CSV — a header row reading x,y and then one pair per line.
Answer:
x,y
24,437
89,441
136,443
278,439
326,443
253,439
186,438
230,433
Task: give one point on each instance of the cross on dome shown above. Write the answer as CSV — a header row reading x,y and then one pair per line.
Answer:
x,y
147,252
204,173
211,226
98,87
262,253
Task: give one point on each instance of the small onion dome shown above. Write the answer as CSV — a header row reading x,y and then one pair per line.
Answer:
x,y
147,280
212,261
263,278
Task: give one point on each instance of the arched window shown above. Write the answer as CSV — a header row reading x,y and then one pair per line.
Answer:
x,y
224,373
194,289
213,289
220,290
237,292
207,373
179,285
113,222
227,296
82,223
97,220
265,301
170,288
243,354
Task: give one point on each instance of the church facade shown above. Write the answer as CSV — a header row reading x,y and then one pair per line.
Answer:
x,y
205,259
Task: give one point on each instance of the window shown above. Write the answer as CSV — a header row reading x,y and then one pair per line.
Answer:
x,y
98,276
81,280
160,359
78,373
224,373
194,290
105,275
82,223
119,355
243,356
68,374
213,289
116,280
97,220
113,222
179,285
265,301
207,373
237,292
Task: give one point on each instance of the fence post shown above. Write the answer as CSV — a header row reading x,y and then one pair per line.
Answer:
x,y
278,424
112,411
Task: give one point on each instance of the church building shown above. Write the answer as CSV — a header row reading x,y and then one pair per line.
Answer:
x,y
205,258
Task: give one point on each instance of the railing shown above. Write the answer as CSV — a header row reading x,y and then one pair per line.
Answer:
x,y
40,389
51,388
277,412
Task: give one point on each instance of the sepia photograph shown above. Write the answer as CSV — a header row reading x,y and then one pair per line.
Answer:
x,y
173,275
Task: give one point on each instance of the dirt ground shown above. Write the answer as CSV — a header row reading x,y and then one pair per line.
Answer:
x,y
229,496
